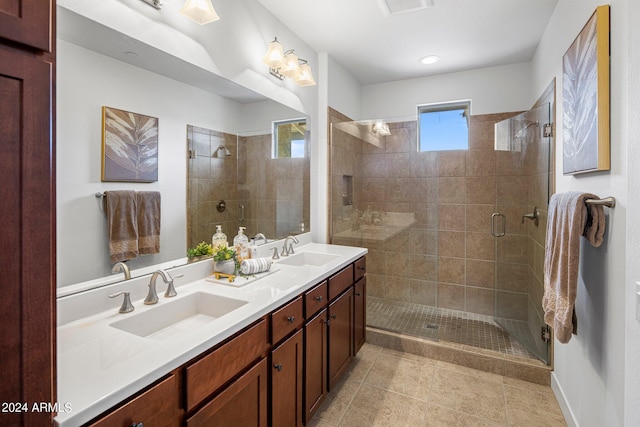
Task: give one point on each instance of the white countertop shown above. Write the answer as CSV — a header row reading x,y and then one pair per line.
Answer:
x,y
99,365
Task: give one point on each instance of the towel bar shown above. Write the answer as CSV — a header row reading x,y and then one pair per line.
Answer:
x,y
609,202
100,195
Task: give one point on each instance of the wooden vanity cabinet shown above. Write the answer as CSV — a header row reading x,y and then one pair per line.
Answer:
x,y
286,382
340,335
359,314
315,363
243,403
159,405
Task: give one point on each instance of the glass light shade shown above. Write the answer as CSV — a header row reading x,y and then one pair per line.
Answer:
x,y
291,66
305,78
201,11
275,55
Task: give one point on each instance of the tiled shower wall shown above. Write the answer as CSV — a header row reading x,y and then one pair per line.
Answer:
x,y
265,195
447,258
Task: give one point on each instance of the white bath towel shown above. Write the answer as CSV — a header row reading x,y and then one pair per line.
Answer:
x,y
255,265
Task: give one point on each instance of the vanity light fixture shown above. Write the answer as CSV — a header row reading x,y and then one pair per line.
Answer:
x,y
201,11
287,64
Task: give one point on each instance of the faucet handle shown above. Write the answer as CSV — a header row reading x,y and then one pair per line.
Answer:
x,y
126,306
171,291
275,254
291,251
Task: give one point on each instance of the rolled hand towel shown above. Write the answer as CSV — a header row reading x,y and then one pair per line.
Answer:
x,y
255,265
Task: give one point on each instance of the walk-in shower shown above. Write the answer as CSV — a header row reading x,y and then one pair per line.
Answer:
x,y
451,255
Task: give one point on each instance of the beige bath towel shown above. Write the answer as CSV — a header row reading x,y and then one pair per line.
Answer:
x,y
122,225
569,218
148,206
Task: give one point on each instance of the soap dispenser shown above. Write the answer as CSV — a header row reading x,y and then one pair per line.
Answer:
x,y
241,244
219,238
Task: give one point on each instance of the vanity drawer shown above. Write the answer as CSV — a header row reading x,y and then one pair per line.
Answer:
x,y
315,299
212,371
340,281
286,319
361,268
157,406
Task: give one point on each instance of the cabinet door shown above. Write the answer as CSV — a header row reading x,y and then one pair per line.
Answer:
x,y
243,403
27,253
315,366
360,319
158,406
340,335
286,383
27,22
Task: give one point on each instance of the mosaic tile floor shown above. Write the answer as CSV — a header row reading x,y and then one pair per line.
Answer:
x,y
441,324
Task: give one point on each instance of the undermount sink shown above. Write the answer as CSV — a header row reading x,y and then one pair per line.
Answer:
x,y
308,258
172,319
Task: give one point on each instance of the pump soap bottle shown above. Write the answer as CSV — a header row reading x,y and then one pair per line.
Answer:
x,y
241,244
219,238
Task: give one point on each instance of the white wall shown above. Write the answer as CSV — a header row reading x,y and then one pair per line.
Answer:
x,y
491,90
591,376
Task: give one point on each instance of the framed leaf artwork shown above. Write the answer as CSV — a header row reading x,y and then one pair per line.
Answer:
x,y
129,146
585,98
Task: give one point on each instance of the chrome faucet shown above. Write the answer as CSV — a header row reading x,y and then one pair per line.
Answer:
x,y
121,266
288,250
152,296
261,237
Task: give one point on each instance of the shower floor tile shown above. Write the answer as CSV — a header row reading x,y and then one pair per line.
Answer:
x,y
476,330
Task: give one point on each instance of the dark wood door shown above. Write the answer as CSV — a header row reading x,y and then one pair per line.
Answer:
x,y
315,366
340,335
27,233
28,22
243,403
360,316
286,383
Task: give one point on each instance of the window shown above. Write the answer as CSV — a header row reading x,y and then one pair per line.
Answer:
x,y
444,126
289,139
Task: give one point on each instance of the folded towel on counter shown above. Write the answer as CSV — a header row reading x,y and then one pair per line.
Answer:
x,y
122,225
255,265
569,218
148,214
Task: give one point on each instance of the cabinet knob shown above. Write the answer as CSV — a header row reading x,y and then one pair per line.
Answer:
x,y
319,298
291,319
333,316
137,425
361,268
278,366
357,294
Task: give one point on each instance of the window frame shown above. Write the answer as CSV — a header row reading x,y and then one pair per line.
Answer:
x,y
274,137
463,104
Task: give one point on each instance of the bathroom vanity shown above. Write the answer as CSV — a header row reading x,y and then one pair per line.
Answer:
x,y
269,361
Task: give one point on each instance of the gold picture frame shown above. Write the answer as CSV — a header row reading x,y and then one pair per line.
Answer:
x,y
129,146
586,98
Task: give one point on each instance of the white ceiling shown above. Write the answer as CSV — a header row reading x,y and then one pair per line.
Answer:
x,y
375,47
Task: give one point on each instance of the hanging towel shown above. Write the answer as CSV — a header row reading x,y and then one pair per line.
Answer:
x,y
569,218
148,213
122,225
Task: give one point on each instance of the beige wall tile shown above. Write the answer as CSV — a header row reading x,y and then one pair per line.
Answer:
x,y
480,246
452,217
451,163
451,270
479,300
481,163
451,190
480,273
451,244
450,296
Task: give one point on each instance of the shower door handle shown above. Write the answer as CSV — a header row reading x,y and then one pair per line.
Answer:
x,y
498,219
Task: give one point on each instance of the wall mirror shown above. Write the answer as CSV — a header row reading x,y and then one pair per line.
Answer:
x,y
98,66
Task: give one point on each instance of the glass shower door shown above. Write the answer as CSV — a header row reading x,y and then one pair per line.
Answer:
x,y
519,226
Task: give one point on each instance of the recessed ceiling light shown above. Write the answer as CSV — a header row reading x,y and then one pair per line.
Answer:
x,y
132,54
431,59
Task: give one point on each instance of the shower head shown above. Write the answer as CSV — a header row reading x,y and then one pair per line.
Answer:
x,y
222,151
521,132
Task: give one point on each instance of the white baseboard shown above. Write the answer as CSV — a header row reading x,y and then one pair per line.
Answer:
x,y
569,417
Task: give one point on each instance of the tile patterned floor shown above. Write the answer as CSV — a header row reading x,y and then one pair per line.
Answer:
x,y
385,387
441,324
